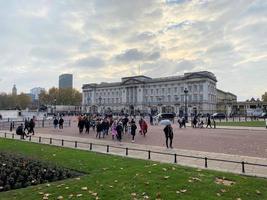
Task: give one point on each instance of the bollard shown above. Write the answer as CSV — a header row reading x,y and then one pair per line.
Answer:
x,y
75,144
91,146
62,142
206,162
149,156
175,158
126,151
50,140
107,148
13,136
243,166
69,123
40,139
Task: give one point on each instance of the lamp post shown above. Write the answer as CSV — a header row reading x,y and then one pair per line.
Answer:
x,y
185,104
100,101
55,103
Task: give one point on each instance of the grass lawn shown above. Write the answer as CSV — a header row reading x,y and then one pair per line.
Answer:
x,y
246,124
117,178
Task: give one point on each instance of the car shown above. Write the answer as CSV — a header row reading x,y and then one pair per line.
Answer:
x,y
263,115
218,116
163,116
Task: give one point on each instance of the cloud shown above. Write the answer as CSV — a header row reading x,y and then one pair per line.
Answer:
x,y
134,55
102,40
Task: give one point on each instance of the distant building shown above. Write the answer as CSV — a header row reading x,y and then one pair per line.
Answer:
x,y
153,95
32,96
225,102
36,92
14,90
65,81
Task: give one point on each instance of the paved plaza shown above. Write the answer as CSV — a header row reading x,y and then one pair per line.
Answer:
x,y
235,141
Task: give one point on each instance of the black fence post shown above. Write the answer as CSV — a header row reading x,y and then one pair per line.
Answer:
x,y
91,146
126,151
75,144
5,134
107,148
13,136
30,138
149,156
40,139
243,166
50,140
175,158
62,142
43,123
206,162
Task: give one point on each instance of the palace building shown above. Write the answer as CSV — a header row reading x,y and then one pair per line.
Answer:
x,y
194,91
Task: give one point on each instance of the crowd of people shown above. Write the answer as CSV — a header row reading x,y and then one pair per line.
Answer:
x,y
26,129
116,126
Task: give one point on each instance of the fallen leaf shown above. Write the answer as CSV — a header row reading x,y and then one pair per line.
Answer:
x,y
218,194
133,194
94,194
60,197
66,188
48,185
164,169
79,195
183,191
41,193
84,188
116,181
166,177
258,192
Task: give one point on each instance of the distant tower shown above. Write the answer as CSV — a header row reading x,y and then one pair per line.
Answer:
x,y
14,90
65,81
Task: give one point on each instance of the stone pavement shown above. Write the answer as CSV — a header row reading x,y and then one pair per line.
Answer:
x,y
164,155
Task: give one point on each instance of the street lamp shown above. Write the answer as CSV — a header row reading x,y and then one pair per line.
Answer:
x,y
185,104
55,103
100,101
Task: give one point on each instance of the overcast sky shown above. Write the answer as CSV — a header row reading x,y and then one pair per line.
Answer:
x,y
103,40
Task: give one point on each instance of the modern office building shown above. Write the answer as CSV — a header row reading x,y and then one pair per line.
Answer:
x,y
195,92
36,92
65,81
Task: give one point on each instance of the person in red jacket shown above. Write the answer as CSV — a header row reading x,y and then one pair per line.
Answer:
x,y
143,127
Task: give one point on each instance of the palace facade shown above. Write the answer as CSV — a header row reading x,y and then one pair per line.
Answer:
x,y
195,91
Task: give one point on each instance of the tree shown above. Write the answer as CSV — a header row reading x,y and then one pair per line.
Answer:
x,y
20,101
264,97
61,97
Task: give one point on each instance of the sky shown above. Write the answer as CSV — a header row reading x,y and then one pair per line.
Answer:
x,y
104,40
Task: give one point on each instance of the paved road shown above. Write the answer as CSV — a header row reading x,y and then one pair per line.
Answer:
x,y
237,142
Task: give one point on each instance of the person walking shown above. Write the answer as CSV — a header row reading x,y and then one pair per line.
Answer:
x,y
133,130
208,122
87,125
81,124
124,123
55,123
168,135
266,122
113,130
61,122
31,126
119,130
143,127
99,129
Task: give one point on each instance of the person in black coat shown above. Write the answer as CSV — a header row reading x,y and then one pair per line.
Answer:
x,y
55,122
87,125
31,126
81,125
168,135
133,130
61,122
119,130
99,129
20,131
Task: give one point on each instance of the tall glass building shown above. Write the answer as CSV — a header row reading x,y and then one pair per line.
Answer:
x,y
65,81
